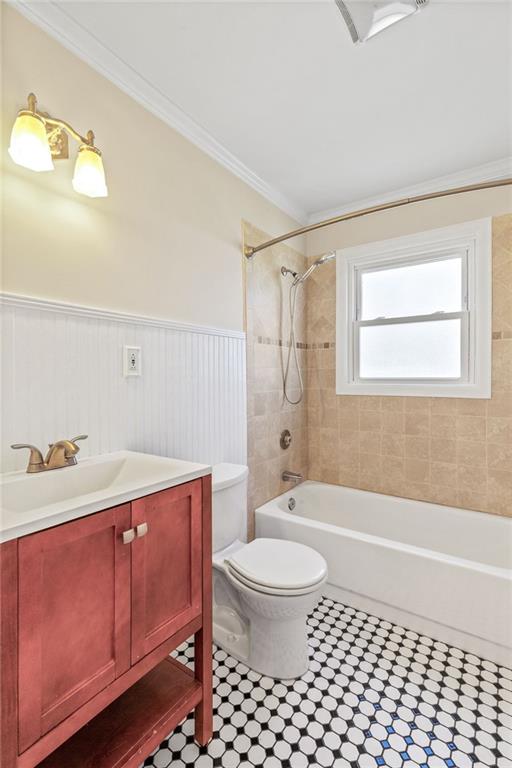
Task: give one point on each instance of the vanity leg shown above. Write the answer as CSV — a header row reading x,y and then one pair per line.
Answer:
x,y
9,653
203,639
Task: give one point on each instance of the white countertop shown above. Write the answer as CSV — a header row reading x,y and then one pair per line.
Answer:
x,y
33,502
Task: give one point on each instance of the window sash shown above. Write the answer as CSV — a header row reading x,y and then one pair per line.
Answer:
x,y
411,261
464,317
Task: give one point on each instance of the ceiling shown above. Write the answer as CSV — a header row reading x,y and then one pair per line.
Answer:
x,y
278,91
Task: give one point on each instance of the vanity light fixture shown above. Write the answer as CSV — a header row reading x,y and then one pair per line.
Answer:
x,y
38,139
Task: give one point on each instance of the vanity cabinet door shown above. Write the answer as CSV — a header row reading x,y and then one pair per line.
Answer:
x,y
166,565
74,617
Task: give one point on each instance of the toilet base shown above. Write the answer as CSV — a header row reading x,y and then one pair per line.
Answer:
x,y
291,664
280,649
267,633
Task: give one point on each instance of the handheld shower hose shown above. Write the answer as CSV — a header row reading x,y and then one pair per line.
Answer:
x,y
298,280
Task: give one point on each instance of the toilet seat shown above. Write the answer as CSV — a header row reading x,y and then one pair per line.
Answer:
x,y
240,581
277,567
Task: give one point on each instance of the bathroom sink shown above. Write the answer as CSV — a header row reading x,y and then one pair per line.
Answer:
x,y
32,502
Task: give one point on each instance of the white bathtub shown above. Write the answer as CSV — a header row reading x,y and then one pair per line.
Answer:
x,y
438,570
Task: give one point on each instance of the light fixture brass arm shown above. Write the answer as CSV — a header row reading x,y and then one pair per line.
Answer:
x,y
251,250
58,123
89,139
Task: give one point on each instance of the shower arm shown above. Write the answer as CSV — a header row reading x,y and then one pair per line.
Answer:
x,y
251,250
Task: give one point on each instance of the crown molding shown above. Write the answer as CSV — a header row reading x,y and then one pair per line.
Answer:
x,y
94,313
54,20
498,169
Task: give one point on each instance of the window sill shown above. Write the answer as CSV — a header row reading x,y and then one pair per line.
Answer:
x,y
482,391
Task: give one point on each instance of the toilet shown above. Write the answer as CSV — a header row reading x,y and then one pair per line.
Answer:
x,y
262,591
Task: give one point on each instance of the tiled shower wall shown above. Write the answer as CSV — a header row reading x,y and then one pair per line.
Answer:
x,y
446,450
268,326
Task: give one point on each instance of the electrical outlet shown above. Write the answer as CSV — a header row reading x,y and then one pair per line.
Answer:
x,y
132,359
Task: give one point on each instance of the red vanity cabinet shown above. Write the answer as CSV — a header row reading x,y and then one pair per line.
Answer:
x,y
74,618
91,610
166,566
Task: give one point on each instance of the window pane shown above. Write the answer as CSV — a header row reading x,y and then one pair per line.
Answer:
x,y
414,289
429,350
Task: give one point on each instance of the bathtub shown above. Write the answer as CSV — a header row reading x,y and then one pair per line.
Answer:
x,y
438,570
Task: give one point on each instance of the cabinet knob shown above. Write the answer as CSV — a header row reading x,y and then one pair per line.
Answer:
x,y
128,536
142,529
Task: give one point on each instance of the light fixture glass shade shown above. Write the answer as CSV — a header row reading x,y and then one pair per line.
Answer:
x,y
89,176
366,19
29,143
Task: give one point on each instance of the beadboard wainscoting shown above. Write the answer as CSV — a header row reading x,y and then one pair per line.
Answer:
x,y
62,375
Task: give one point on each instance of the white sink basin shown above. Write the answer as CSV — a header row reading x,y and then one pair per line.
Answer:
x,y
32,502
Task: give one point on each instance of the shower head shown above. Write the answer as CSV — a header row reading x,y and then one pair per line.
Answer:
x,y
285,271
325,258
366,18
317,263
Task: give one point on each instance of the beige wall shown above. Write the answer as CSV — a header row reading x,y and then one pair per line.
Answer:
x,y
412,218
446,450
165,243
268,331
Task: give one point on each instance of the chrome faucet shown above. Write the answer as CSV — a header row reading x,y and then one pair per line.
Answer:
x,y
60,454
291,477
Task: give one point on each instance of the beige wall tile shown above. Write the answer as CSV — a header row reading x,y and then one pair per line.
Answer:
x,y
417,447
443,449
392,445
392,422
471,454
499,429
443,424
470,427
369,442
417,423
417,470
370,421
500,492
500,457
471,478
500,404
444,473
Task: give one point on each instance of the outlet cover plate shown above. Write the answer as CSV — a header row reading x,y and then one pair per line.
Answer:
x,y
132,361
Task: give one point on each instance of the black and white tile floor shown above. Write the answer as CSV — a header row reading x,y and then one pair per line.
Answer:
x,y
375,695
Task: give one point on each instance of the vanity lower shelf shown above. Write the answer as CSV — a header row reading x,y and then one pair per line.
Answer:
x,y
123,734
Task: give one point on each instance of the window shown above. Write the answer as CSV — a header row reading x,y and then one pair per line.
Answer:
x,y
414,314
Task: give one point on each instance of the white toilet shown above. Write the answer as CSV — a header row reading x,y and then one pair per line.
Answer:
x,y
262,591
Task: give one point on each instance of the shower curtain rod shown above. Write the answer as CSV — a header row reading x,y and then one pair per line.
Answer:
x,y
251,250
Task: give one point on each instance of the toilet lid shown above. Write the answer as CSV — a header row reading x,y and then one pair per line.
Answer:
x,y
278,564
237,579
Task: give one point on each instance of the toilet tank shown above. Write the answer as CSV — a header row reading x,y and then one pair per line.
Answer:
x,y
229,504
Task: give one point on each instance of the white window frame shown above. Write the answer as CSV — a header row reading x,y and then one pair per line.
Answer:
x,y
472,241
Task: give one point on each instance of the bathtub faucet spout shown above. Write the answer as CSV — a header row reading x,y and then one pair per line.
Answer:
x,y
291,477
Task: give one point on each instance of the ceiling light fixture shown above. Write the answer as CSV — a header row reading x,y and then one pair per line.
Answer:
x,y
38,139
365,18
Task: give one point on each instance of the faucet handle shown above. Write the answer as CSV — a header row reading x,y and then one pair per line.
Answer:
x,y
78,437
36,457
